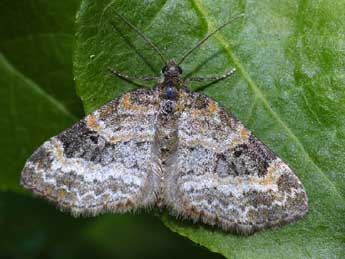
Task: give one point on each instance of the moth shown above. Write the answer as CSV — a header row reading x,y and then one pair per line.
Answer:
x,y
170,148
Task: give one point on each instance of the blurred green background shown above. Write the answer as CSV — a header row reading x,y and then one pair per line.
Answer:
x,y
38,100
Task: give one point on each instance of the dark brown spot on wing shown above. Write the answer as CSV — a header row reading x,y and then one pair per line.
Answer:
x,y
251,158
81,142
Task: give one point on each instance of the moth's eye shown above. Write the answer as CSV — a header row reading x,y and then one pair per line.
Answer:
x,y
164,69
179,70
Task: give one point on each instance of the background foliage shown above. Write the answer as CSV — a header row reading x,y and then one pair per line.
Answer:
x,y
289,90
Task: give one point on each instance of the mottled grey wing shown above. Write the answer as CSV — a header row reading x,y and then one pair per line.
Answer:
x,y
222,175
102,163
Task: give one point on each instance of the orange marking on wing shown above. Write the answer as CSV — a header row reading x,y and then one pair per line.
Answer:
x,y
125,101
212,107
267,180
61,194
91,121
244,133
59,151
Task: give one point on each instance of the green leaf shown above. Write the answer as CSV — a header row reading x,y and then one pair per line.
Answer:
x,y
289,90
28,116
37,38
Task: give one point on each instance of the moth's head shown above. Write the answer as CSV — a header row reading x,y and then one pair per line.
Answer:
x,y
172,69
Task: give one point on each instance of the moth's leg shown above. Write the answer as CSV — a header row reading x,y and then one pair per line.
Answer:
x,y
213,78
128,77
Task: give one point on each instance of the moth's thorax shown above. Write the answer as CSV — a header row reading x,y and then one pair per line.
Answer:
x,y
170,90
171,84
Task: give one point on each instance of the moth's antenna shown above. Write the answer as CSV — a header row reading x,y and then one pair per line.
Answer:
x,y
146,39
207,37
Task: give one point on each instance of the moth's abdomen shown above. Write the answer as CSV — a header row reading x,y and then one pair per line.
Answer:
x,y
166,130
